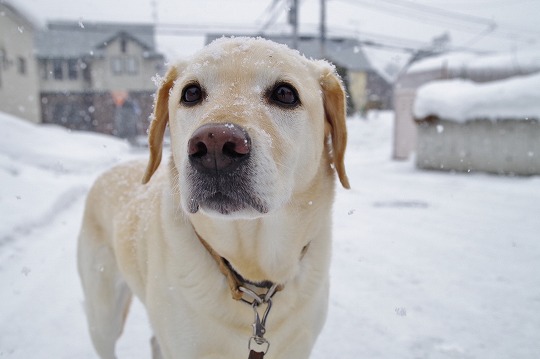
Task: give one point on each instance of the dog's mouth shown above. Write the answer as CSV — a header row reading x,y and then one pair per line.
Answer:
x,y
226,204
224,193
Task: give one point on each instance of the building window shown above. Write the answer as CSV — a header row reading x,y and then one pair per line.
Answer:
x,y
73,69
58,73
123,45
43,70
124,65
131,65
3,59
86,71
116,65
21,65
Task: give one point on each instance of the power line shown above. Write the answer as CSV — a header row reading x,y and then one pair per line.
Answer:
x,y
273,17
408,14
406,4
458,21
268,10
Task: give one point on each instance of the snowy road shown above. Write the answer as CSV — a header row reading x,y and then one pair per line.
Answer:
x,y
425,264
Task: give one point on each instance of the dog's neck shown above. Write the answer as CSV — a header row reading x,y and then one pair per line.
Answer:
x,y
237,283
269,248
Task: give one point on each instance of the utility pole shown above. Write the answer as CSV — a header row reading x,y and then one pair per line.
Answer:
x,y
322,38
293,20
153,4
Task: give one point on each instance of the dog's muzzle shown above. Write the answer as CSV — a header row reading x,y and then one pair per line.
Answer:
x,y
220,171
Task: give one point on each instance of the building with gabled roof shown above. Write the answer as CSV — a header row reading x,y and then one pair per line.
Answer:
x,y
97,76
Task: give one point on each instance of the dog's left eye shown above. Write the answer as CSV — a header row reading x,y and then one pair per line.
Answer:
x,y
192,94
285,95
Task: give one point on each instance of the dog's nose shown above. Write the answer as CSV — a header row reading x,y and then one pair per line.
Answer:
x,y
218,147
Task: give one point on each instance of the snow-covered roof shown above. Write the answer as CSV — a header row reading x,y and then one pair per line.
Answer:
x,y
68,39
517,98
449,61
479,66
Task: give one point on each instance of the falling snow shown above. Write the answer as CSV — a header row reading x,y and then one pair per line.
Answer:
x,y
425,265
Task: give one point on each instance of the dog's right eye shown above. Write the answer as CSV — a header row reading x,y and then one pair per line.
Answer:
x,y
285,95
192,94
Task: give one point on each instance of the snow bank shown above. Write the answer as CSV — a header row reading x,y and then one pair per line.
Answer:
x,y
45,168
461,100
45,146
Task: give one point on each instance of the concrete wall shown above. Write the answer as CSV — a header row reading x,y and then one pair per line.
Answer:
x,y
19,91
508,147
404,125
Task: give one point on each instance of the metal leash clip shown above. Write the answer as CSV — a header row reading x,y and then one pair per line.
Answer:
x,y
257,342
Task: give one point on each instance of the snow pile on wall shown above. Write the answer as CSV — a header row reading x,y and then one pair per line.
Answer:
x,y
462,100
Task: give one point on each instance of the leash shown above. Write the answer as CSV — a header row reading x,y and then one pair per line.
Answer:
x,y
258,345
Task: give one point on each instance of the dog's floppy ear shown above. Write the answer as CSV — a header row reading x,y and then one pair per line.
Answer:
x,y
335,110
158,125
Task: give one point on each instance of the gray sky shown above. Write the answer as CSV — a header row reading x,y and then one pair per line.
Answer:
x,y
494,25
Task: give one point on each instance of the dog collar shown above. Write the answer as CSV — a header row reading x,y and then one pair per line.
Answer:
x,y
239,286
243,290
248,292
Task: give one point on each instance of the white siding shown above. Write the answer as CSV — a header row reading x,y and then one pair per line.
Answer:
x,y
19,93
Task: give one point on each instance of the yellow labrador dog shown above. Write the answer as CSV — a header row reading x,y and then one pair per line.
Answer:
x,y
227,246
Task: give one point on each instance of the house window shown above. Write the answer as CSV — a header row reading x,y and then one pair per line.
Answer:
x,y
117,66
131,65
58,72
73,69
21,65
43,70
3,58
86,71
123,45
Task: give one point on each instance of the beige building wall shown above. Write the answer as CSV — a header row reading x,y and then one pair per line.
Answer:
x,y
357,89
19,87
119,70
114,71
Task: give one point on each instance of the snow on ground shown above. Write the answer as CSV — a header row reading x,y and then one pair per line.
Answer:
x,y
460,100
426,264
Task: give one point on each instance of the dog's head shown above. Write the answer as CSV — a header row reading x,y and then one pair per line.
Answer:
x,y
251,123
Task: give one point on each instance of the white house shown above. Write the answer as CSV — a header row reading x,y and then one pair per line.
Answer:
x,y
19,89
98,76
